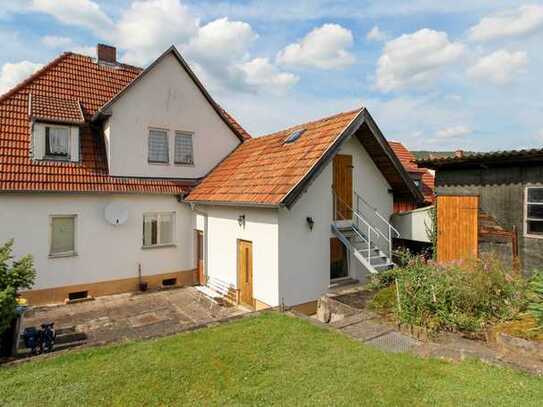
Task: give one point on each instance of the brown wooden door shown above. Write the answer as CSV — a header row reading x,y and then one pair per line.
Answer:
x,y
343,186
245,272
200,257
457,227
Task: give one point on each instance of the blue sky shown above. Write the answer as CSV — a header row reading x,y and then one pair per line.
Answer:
x,y
465,74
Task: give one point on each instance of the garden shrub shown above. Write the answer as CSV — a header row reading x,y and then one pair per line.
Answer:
x,y
14,275
385,300
535,298
464,296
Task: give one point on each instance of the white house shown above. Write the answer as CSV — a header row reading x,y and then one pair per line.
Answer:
x,y
112,176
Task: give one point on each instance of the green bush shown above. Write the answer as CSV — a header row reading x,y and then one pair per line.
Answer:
x,y
458,297
385,300
535,298
14,275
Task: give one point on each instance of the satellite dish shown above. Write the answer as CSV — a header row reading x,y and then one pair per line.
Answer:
x,y
116,213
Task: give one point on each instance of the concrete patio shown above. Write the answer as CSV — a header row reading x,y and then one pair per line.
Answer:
x,y
131,316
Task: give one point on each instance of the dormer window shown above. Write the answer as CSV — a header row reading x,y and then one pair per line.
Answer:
x,y
57,142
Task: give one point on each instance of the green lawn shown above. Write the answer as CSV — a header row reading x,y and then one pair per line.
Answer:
x,y
272,359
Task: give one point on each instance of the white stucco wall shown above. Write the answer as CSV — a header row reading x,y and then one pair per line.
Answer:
x,y
166,98
304,254
414,225
221,236
368,181
104,252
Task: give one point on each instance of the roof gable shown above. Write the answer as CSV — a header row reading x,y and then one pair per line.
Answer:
x,y
52,94
408,161
241,134
266,171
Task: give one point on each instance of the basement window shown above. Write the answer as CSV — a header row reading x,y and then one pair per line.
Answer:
x,y
169,282
78,295
534,212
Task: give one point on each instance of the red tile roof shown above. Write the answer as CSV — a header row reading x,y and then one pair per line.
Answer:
x,y
54,109
408,161
264,170
55,89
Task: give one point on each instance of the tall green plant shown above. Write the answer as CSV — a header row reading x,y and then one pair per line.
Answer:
x,y
14,276
535,298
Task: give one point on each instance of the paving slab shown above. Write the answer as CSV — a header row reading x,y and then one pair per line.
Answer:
x,y
117,317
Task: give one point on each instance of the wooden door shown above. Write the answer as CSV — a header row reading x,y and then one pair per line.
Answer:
x,y
457,227
245,272
343,186
200,257
339,267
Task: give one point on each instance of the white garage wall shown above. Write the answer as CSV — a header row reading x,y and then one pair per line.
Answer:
x,y
222,234
104,252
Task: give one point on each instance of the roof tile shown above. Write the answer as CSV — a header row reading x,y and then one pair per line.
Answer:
x,y
264,170
71,89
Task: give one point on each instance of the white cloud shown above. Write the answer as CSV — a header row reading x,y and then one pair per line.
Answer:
x,y
84,50
539,137
218,51
375,34
454,132
524,20
84,13
222,40
499,67
415,59
52,41
149,27
325,47
261,73
12,74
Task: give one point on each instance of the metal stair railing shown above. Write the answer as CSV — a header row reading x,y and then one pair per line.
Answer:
x,y
387,231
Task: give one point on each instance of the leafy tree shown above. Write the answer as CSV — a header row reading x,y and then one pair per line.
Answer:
x,y
14,276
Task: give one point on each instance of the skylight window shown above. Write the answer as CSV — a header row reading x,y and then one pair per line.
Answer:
x,y
295,135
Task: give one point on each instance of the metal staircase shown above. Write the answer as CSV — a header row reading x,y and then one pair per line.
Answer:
x,y
365,233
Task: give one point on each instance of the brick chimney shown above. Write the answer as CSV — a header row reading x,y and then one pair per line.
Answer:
x,y
106,53
459,153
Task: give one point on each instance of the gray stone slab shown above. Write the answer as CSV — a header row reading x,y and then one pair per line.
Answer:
x,y
394,342
366,330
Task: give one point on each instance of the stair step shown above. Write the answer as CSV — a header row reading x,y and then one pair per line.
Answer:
x,y
384,266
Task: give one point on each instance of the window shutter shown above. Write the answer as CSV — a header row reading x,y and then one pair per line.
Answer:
x,y
74,144
38,141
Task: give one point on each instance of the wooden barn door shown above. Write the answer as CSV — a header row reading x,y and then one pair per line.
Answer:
x,y
245,272
457,227
343,186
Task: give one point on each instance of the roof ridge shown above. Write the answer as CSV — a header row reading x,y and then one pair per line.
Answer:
x,y
333,116
34,76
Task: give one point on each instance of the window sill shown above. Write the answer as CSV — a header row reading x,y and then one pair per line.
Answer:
x,y
62,255
158,246
533,236
158,163
184,164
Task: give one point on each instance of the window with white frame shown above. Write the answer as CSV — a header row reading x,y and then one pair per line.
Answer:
x,y
158,148
534,211
57,141
62,235
183,148
158,229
